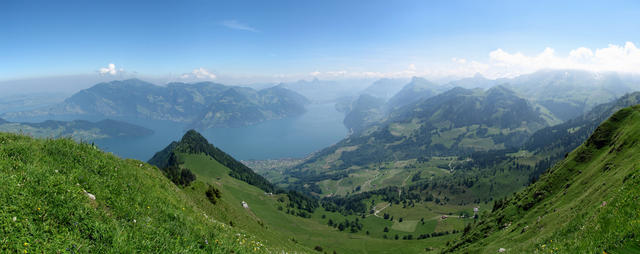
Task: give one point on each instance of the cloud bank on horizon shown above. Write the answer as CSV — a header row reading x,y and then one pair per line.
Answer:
x,y
502,64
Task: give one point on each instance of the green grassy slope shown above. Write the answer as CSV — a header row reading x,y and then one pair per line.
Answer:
x,y
266,221
587,203
44,207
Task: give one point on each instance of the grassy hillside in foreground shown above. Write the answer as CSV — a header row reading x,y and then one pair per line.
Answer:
x,y
45,206
587,203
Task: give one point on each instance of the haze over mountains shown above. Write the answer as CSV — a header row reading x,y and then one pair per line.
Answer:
x,y
200,104
78,129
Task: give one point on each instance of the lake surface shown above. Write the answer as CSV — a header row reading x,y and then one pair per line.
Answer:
x,y
295,137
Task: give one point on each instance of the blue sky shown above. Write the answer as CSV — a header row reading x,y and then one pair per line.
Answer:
x,y
289,38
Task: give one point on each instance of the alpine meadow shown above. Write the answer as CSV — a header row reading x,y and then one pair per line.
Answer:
x,y
320,126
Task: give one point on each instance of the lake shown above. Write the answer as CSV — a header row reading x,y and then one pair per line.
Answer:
x,y
294,137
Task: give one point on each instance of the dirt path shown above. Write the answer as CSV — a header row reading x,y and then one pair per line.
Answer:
x,y
375,213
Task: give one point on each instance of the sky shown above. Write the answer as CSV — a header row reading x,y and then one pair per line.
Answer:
x,y
268,41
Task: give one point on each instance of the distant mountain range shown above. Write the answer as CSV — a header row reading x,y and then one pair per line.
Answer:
x,y
559,95
570,93
201,105
326,91
77,129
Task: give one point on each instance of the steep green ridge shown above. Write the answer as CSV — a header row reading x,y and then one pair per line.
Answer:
x,y
60,196
77,129
194,143
201,105
587,203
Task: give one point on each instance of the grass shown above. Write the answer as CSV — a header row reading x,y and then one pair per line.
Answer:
x,y
587,203
44,207
405,225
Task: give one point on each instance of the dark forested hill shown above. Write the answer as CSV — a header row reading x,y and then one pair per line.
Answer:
x,y
194,143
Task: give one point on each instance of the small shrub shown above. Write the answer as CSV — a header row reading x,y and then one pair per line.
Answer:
x,y
213,194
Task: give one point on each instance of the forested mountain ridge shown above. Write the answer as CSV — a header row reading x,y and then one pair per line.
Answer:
x,y
203,104
586,203
452,123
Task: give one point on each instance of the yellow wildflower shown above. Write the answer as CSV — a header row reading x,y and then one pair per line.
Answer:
x,y
25,244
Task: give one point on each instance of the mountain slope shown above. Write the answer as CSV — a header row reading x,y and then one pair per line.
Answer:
x,y
364,111
587,203
433,135
203,104
77,129
61,196
451,123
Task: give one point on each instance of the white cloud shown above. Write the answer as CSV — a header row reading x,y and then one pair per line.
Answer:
x,y
612,58
110,70
502,64
234,24
199,73
459,60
